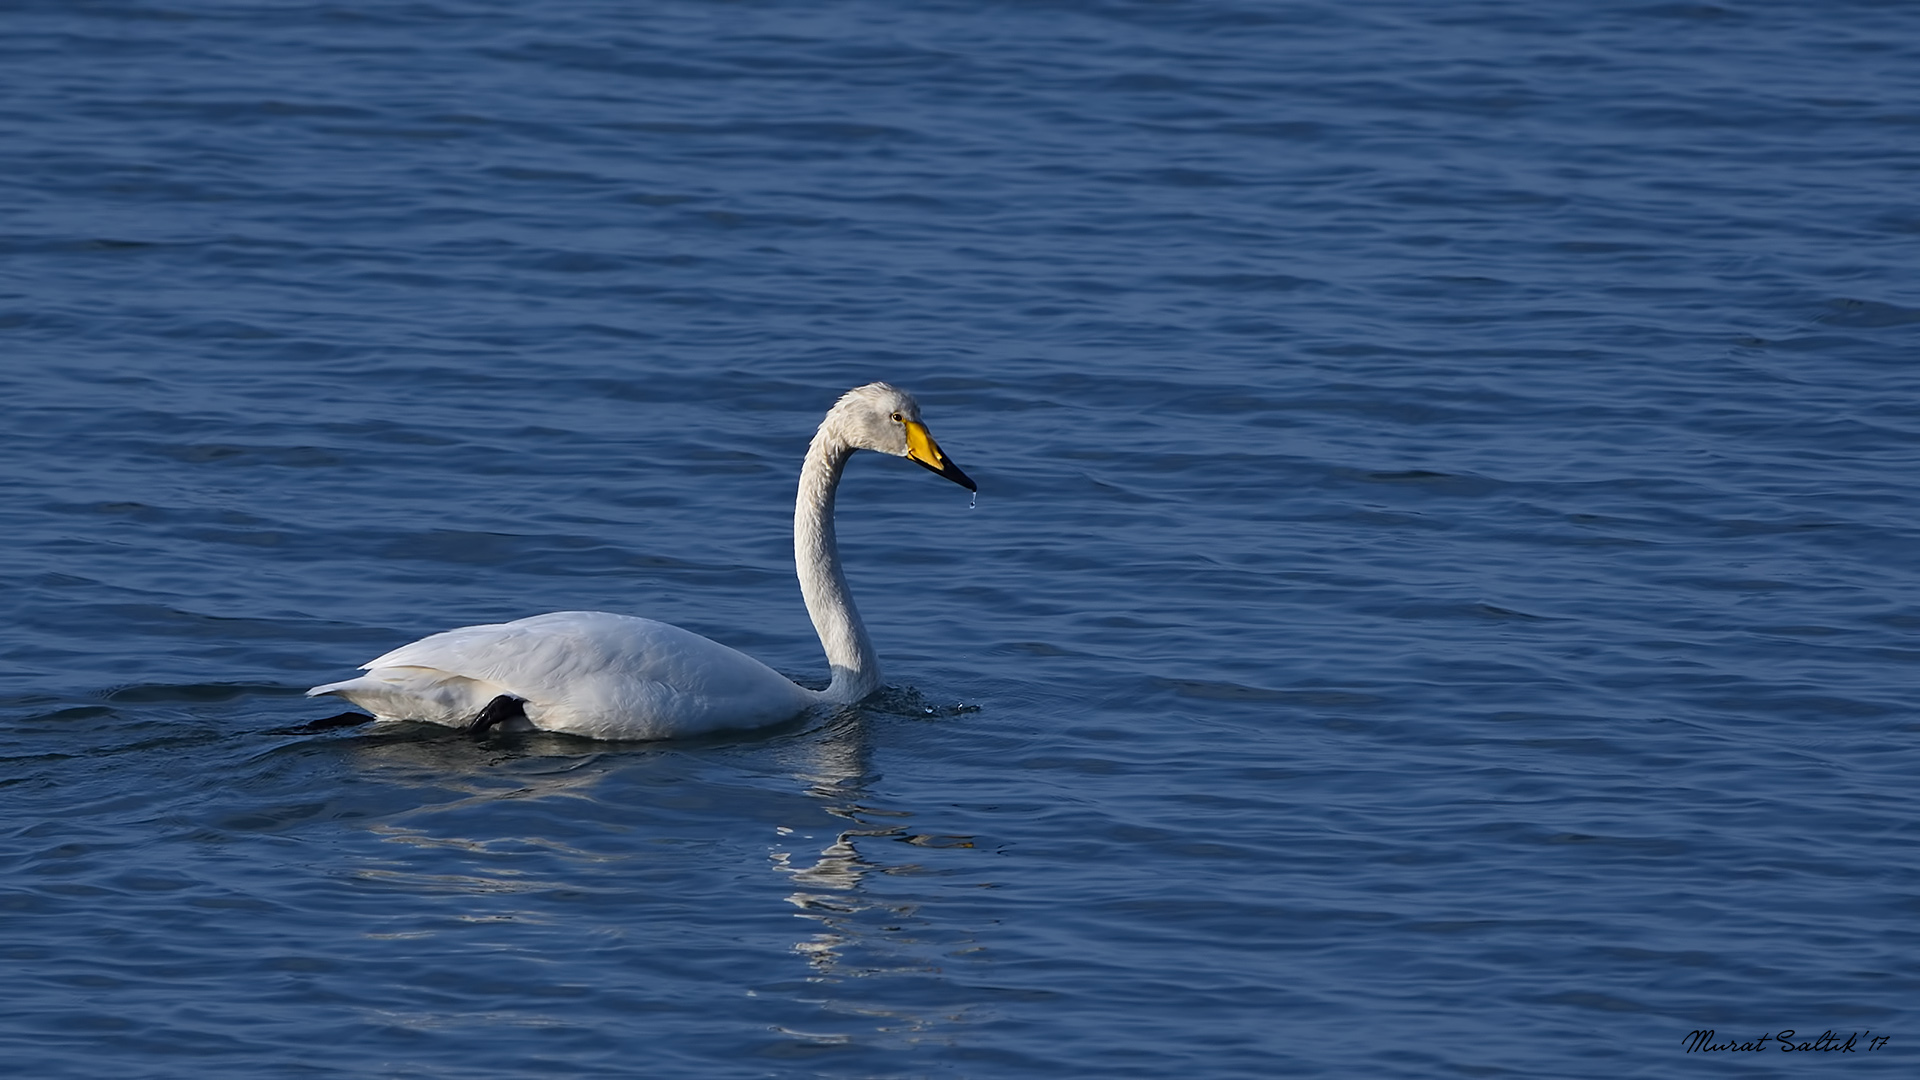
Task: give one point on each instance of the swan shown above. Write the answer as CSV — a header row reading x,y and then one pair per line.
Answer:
x,y
610,676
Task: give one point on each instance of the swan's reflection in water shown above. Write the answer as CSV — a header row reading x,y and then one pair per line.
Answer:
x,y
595,820
835,767
830,883
436,795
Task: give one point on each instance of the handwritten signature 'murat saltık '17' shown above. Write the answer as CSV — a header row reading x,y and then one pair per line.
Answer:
x,y
1702,1041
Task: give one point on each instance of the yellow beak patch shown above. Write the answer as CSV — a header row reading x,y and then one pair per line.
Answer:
x,y
922,449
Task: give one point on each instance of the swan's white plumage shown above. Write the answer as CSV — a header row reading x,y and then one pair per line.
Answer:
x,y
585,672
620,677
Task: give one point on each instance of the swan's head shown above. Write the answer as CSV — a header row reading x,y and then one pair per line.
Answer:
x,y
887,419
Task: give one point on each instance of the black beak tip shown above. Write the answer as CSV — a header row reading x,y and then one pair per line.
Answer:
x,y
951,472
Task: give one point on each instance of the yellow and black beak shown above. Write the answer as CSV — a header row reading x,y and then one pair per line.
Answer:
x,y
922,449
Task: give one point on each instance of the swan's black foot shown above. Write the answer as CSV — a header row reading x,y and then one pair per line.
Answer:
x,y
499,710
345,719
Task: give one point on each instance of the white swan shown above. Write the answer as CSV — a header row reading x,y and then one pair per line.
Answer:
x,y
620,677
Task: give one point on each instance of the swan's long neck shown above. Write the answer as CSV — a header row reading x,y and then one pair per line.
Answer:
x,y
856,670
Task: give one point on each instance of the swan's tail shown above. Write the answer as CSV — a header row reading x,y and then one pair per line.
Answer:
x,y
415,693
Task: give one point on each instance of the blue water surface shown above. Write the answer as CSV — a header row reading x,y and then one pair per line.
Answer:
x,y
1444,597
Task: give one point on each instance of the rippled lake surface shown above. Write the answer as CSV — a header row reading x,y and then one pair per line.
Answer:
x,y
1444,598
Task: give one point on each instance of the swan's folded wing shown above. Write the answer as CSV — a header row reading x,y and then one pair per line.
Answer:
x,y
468,651
602,674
